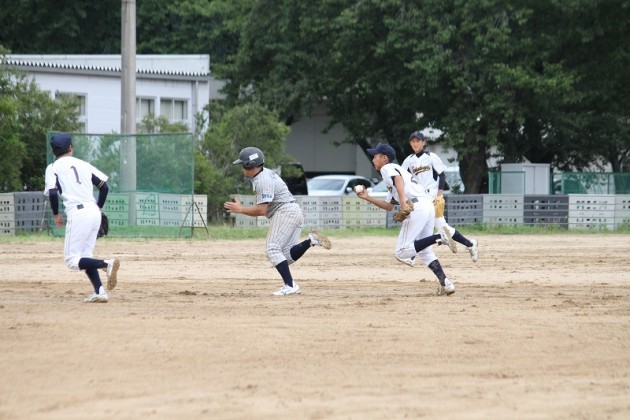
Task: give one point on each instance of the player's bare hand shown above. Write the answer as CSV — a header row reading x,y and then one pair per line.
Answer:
x,y
361,192
58,220
233,206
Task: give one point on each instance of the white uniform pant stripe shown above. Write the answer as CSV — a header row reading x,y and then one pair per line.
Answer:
x,y
284,232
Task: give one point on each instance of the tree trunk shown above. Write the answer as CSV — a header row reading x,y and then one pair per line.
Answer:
x,y
473,167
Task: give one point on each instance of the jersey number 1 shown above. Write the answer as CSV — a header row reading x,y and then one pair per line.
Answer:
x,y
76,174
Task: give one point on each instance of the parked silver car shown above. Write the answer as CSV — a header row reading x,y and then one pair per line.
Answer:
x,y
332,185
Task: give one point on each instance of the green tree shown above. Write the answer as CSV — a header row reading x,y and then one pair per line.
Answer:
x,y
191,27
68,27
595,45
27,114
492,74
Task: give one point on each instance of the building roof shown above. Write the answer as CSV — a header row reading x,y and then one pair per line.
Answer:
x,y
167,65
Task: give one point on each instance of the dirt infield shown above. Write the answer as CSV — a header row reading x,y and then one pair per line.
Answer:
x,y
538,328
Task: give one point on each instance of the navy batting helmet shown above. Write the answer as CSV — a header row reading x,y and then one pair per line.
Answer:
x,y
250,157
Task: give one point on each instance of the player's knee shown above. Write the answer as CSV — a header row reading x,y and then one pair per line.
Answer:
x,y
427,256
406,252
275,256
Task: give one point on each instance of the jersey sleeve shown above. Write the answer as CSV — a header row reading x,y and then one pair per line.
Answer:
x,y
263,188
406,163
388,172
50,180
100,175
438,166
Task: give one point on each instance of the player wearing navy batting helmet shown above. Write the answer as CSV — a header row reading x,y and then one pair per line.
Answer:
x,y
275,201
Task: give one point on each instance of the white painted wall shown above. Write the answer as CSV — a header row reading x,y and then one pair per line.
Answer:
x,y
317,150
103,96
98,79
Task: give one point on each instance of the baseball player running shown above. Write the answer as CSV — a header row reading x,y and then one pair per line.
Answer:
x,y
428,170
73,180
274,201
416,234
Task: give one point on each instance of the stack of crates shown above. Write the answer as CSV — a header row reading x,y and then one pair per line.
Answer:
x,y
147,208
462,210
117,209
310,208
503,209
331,212
7,214
591,211
334,212
177,210
545,210
22,212
170,210
358,213
29,211
190,208
622,210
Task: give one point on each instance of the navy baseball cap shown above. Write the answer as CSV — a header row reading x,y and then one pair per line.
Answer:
x,y
384,149
60,143
418,135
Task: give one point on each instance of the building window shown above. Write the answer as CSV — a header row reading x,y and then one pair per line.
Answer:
x,y
176,110
81,107
144,107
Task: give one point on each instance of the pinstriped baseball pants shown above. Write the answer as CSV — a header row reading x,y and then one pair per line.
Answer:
x,y
284,232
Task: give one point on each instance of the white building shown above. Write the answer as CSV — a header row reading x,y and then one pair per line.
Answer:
x,y
175,86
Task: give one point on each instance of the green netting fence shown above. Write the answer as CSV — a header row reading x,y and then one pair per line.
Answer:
x,y
592,183
563,182
151,182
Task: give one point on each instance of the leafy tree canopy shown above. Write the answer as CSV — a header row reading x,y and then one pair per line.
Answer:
x,y
26,114
543,80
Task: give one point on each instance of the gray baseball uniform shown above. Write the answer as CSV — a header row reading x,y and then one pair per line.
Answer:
x,y
284,213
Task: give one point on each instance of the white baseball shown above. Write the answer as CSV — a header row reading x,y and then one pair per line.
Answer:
x,y
358,189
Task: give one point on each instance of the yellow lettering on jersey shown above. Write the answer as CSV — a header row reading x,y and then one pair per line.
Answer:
x,y
419,169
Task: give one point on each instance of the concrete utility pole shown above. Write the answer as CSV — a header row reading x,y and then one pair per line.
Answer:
x,y
128,96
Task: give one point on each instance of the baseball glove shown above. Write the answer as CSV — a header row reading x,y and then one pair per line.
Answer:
x,y
438,203
104,229
401,214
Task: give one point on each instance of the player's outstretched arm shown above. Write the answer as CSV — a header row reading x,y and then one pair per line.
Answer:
x,y
362,194
237,207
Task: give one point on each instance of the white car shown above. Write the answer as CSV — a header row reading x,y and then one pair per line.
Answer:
x,y
379,190
335,185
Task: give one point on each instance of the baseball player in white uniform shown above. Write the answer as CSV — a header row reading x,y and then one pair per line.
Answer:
x,y
274,201
73,180
428,170
416,233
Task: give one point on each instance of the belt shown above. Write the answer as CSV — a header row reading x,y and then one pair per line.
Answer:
x,y
80,206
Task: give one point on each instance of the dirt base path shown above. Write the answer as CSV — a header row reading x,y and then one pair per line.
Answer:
x,y
538,328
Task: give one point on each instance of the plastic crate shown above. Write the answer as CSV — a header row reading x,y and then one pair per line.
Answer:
x,y
546,210
464,209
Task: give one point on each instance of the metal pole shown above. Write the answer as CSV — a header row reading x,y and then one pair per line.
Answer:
x,y
128,105
128,95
